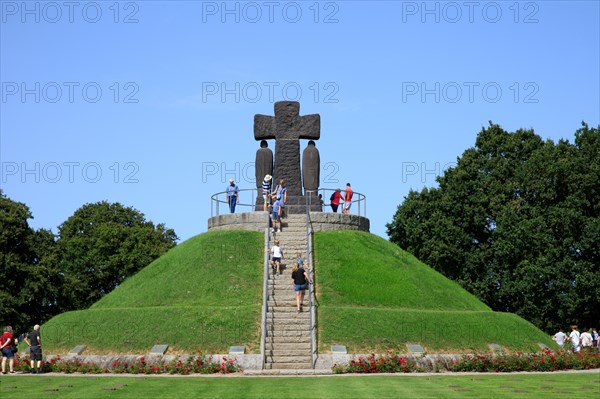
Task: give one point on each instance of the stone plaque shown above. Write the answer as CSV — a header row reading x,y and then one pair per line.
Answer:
x,y
496,348
415,349
237,350
77,350
159,349
339,349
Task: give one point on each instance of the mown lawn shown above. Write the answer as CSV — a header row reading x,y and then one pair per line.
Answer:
x,y
372,296
205,294
509,386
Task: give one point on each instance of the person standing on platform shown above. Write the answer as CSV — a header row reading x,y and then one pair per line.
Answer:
x,y
347,199
266,191
232,195
335,199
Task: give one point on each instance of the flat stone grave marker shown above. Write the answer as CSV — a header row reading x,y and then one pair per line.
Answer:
x,y
496,348
77,350
415,349
237,350
339,349
542,346
159,349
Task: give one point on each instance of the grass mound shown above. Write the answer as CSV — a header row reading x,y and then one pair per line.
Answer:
x,y
373,296
206,294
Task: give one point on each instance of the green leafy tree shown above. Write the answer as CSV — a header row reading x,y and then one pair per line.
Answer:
x,y
101,245
517,223
15,255
29,281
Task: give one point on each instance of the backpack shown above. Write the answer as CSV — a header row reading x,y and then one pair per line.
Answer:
x,y
332,197
14,344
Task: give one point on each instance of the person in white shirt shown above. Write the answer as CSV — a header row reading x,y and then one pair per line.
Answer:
x,y
559,337
276,257
586,338
575,337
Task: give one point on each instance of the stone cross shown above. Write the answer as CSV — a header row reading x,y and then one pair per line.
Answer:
x,y
287,127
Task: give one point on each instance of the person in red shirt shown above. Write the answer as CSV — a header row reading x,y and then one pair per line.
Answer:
x,y
335,200
6,344
347,200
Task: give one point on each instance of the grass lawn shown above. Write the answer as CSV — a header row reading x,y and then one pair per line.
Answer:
x,y
205,293
509,386
373,296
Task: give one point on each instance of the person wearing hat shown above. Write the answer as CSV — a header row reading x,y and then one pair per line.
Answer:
x,y
266,191
232,195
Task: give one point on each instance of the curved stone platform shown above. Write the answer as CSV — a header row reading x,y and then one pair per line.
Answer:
x,y
257,221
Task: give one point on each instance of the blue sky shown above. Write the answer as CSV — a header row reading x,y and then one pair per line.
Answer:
x,y
151,103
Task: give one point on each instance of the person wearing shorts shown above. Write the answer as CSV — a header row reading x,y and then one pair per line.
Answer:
x,y
347,199
35,349
266,191
6,344
276,216
276,256
300,281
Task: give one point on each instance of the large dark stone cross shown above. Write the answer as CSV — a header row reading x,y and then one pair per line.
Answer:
x,y
287,127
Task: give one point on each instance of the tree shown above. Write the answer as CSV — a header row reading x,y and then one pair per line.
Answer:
x,y
29,282
517,223
101,245
14,257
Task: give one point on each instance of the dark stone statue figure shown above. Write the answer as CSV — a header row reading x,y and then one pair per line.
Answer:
x,y
264,162
310,168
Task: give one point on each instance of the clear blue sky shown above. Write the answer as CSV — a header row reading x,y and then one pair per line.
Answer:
x,y
137,101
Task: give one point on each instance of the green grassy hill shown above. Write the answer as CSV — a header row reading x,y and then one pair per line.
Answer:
x,y
373,296
206,294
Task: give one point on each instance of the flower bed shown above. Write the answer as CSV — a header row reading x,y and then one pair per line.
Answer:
x,y
546,361
197,364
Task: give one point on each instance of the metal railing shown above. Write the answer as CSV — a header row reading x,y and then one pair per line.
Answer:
x,y
219,200
263,338
359,201
219,203
309,256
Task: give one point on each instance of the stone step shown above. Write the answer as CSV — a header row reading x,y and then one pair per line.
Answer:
x,y
284,346
286,302
283,328
291,330
282,321
288,366
279,322
284,311
306,358
290,352
287,340
289,372
286,286
304,316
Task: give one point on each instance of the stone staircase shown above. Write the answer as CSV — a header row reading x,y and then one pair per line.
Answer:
x,y
288,340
